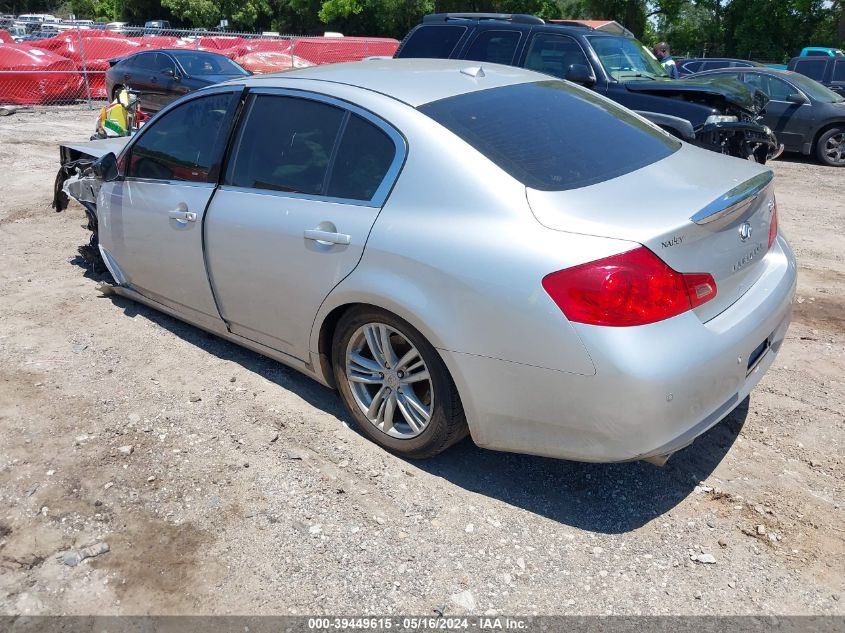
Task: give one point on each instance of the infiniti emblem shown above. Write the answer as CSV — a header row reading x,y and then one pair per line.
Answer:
x,y
744,231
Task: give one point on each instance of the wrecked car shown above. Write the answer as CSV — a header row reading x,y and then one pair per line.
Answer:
x,y
724,117
448,269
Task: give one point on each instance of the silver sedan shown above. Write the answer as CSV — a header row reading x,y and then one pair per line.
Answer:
x,y
458,250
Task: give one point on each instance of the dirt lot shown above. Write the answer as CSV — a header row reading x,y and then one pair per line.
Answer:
x,y
246,491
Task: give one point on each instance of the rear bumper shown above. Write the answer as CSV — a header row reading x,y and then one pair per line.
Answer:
x,y
656,387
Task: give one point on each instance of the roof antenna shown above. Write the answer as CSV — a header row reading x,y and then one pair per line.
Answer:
x,y
473,71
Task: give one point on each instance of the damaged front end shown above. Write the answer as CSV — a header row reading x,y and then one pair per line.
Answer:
x,y
734,125
84,167
77,180
743,139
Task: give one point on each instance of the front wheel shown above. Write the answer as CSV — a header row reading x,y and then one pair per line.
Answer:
x,y
395,385
830,149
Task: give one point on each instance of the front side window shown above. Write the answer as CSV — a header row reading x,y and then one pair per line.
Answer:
x,y
497,47
624,58
554,54
184,143
576,138
285,144
435,42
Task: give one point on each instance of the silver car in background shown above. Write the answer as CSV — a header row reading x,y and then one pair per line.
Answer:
x,y
458,250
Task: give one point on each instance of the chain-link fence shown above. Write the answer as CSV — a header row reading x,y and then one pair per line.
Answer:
x,y
70,67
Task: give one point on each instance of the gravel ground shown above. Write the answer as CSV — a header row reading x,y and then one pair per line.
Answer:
x,y
223,482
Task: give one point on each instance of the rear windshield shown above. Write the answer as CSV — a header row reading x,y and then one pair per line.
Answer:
x,y
552,136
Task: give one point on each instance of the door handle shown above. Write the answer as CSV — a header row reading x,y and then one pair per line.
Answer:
x,y
327,237
182,217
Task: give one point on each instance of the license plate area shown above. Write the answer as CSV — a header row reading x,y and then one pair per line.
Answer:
x,y
757,355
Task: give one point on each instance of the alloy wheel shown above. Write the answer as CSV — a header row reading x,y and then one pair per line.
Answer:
x,y
389,380
834,148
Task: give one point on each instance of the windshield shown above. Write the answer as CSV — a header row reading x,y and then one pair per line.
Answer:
x,y
625,58
198,64
814,89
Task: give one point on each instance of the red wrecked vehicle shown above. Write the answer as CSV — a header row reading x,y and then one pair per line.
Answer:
x,y
29,84
95,50
261,62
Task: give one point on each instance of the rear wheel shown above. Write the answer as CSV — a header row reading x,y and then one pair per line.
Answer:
x,y
395,385
830,149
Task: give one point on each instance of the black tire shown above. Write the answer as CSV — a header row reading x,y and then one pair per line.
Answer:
x,y
822,149
447,424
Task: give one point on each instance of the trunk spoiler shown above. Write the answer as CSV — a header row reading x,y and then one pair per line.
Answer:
x,y
736,200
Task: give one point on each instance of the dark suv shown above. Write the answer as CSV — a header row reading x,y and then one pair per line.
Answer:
x,y
828,71
723,116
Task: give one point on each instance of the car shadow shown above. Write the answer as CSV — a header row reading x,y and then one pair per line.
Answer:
x,y
608,498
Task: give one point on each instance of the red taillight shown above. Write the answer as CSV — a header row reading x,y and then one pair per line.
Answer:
x,y
773,226
633,288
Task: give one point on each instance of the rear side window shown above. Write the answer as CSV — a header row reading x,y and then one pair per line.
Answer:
x,y
363,158
436,42
285,144
498,47
812,68
147,61
552,136
715,65
839,70
692,67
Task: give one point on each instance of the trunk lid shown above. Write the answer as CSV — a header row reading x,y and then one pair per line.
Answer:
x,y
698,211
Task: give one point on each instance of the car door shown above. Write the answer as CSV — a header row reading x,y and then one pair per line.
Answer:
x,y
306,177
137,75
789,113
157,80
151,218
168,80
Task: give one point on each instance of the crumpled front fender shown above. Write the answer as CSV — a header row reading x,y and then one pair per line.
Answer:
x,y
748,137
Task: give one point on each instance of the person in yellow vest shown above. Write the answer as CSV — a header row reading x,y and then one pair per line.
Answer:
x,y
661,52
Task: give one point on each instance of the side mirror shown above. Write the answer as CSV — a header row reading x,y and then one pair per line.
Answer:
x,y
169,72
796,98
580,74
105,167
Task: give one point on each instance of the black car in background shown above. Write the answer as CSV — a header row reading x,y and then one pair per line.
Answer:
x,y
696,65
720,116
162,76
807,117
828,71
